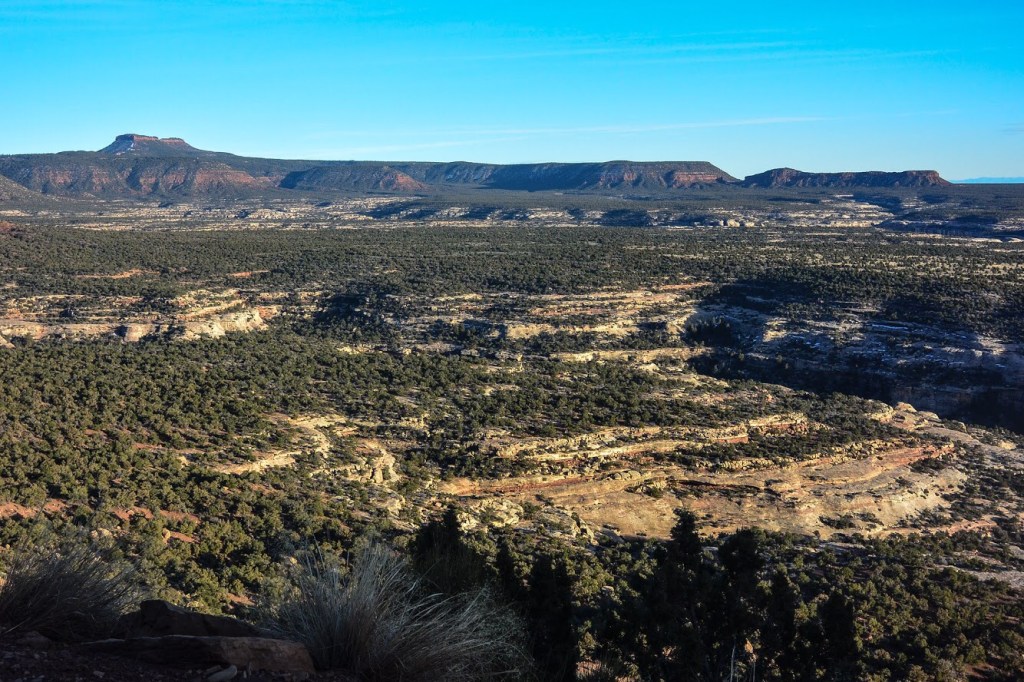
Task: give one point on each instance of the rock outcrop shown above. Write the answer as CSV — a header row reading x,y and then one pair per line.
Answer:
x,y
245,653
157,618
162,633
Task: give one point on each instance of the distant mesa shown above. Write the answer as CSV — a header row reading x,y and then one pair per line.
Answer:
x,y
789,177
138,166
531,177
148,145
134,166
610,175
1017,180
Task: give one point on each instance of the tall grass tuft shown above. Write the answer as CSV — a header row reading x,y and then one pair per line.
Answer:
x,y
376,622
68,592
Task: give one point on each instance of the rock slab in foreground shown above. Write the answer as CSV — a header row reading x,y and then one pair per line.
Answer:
x,y
156,618
252,653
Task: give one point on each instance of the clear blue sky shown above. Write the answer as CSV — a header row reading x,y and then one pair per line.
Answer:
x,y
746,85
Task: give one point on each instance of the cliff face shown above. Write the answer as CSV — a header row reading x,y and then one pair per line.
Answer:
x,y
613,175
136,166
610,175
350,177
126,176
789,177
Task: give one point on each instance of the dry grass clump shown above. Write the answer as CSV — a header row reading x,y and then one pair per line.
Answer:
x,y
376,622
68,592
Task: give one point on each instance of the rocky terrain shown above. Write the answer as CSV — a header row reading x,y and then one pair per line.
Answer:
x,y
611,480
960,211
198,314
159,641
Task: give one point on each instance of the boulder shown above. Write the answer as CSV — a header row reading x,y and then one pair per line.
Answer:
x,y
34,640
186,651
156,618
228,673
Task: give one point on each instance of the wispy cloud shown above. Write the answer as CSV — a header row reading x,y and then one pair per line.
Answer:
x,y
120,14
1014,129
654,51
695,49
523,132
49,9
350,152
76,15
795,54
656,127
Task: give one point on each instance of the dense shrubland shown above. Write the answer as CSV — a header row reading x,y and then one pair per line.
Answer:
x,y
127,441
747,606
66,589
967,287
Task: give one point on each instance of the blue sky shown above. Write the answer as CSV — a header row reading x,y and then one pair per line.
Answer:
x,y
748,86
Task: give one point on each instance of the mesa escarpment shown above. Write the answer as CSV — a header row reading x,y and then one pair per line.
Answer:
x,y
352,178
130,177
422,177
789,177
139,166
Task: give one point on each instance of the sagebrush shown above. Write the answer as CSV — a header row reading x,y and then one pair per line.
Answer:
x,y
70,591
376,621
